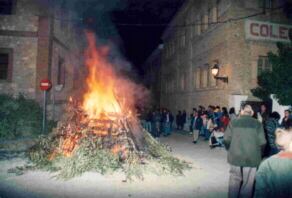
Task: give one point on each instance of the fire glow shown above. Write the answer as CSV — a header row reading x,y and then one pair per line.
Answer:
x,y
104,105
100,97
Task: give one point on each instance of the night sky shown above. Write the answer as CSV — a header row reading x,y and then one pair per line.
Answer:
x,y
117,20
140,41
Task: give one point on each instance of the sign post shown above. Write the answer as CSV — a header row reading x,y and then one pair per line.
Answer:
x,y
45,85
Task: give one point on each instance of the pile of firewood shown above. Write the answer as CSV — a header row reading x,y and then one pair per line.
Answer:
x,y
111,142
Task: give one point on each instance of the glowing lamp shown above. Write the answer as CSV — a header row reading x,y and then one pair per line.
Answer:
x,y
215,70
215,73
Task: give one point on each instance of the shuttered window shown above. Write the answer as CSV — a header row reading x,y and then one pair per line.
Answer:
x,y
263,64
61,72
5,64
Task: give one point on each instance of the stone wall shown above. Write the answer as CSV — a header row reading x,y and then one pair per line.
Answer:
x,y
23,65
38,39
18,32
24,18
185,64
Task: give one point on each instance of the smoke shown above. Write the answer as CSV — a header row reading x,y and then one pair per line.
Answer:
x,y
137,95
128,93
96,16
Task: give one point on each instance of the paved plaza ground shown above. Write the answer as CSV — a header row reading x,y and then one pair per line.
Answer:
x,y
208,178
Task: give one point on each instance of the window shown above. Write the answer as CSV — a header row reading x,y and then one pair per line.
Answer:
x,y
263,64
5,64
204,22
218,9
215,14
7,7
171,86
195,79
210,16
204,78
183,40
198,28
198,78
61,72
266,3
183,82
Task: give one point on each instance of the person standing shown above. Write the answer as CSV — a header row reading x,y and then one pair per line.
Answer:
x,y
156,118
232,114
271,125
287,121
166,123
184,119
178,119
192,116
154,131
211,125
244,140
204,116
274,176
217,115
197,126
263,115
171,118
224,120
148,121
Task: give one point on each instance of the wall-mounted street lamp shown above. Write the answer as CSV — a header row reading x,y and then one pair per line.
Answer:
x,y
215,73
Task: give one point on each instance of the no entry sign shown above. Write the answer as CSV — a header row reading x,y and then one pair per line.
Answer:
x,y
45,85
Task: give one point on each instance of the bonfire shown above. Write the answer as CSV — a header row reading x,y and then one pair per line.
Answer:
x,y
101,132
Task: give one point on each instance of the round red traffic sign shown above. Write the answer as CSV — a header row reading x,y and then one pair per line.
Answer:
x,y
45,85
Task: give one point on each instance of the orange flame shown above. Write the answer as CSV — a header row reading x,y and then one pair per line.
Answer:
x,y
99,98
100,103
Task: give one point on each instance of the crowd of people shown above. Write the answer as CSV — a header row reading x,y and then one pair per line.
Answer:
x,y
260,154
157,122
249,138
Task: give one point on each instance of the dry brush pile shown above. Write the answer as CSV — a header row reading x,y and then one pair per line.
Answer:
x,y
114,143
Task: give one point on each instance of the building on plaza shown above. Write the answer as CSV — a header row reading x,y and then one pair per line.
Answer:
x,y
236,35
151,69
39,41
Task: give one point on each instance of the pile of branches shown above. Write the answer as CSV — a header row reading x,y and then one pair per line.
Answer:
x,y
78,146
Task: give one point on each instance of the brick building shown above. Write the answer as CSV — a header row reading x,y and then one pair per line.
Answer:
x,y
208,32
39,40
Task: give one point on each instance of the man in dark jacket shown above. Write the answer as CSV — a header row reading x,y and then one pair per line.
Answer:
x,y
274,176
287,121
244,139
178,120
271,124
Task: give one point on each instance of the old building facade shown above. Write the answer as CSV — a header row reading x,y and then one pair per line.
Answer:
x,y
152,69
39,41
234,34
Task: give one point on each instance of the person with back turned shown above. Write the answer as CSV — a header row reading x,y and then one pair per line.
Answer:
x,y
274,176
245,140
